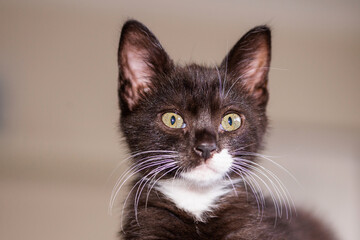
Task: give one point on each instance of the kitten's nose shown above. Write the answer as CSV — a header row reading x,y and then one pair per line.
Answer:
x,y
205,149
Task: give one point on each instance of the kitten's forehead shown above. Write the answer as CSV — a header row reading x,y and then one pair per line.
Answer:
x,y
202,90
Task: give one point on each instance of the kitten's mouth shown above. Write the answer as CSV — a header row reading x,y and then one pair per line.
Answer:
x,y
213,169
204,167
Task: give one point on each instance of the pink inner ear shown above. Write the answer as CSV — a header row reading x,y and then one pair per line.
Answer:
x,y
256,70
137,72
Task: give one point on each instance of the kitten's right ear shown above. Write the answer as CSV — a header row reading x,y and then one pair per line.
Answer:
x,y
140,59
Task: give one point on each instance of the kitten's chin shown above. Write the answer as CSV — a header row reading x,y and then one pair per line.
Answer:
x,y
211,171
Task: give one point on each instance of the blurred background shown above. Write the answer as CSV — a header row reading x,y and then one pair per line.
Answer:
x,y
58,103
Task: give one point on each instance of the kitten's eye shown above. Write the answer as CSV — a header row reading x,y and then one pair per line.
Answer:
x,y
173,120
230,122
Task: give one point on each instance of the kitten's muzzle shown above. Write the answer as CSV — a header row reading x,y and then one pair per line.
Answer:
x,y
205,150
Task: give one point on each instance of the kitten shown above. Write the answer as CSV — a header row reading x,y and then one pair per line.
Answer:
x,y
194,133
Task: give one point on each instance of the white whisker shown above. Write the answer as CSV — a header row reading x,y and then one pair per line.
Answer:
x,y
268,159
129,174
279,196
232,184
258,198
142,162
155,172
220,84
135,154
132,189
136,168
154,183
285,194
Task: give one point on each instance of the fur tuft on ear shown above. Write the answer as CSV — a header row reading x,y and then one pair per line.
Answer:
x,y
140,58
248,62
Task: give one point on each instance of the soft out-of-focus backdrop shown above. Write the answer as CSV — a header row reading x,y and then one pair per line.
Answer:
x,y
58,103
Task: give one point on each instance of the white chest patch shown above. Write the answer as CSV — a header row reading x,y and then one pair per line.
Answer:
x,y
193,199
198,190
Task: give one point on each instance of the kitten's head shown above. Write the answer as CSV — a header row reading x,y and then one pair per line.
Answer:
x,y
192,122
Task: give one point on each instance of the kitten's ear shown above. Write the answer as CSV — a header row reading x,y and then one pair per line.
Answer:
x,y
140,59
248,62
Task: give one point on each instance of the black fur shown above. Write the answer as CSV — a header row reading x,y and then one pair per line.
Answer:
x,y
202,96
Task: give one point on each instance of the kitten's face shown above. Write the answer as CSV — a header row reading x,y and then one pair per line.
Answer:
x,y
192,122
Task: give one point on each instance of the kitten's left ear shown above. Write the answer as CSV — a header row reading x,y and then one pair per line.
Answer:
x,y
140,58
248,62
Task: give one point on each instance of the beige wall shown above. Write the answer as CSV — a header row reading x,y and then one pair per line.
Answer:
x,y
58,62
58,73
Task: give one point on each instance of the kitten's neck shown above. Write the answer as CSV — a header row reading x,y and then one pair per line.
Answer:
x,y
194,199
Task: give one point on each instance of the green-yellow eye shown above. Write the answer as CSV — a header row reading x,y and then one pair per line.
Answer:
x,y
231,122
173,120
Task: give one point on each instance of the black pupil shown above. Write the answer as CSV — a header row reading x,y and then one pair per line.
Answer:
x,y
230,121
172,120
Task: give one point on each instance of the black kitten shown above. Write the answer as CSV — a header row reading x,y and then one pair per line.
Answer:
x,y
194,133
